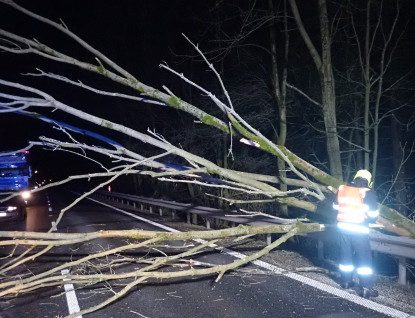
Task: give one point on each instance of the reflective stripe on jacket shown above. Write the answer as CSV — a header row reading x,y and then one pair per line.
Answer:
x,y
350,204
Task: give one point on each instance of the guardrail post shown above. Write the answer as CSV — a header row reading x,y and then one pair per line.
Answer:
x,y
142,207
122,201
161,211
402,270
151,209
208,223
188,217
269,239
173,214
128,202
233,224
134,205
194,218
320,249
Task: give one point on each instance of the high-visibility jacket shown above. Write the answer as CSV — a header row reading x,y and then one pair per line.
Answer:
x,y
351,208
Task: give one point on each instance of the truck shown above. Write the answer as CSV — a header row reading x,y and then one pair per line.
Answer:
x,y
15,173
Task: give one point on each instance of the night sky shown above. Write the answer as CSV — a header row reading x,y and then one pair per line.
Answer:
x,y
135,34
139,35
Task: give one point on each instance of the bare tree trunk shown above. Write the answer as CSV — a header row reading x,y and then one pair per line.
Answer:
x,y
371,77
223,162
398,167
368,87
379,93
359,155
280,93
324,68
328,95
349,155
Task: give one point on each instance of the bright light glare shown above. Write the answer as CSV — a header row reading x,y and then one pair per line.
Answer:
x,y
249,142
11,208
26,195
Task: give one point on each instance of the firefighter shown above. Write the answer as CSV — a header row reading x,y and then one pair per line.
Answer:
x,y
356,207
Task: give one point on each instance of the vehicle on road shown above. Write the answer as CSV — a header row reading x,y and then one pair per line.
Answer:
x,y
15,173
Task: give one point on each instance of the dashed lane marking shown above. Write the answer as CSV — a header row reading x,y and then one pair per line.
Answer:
x,y
71,299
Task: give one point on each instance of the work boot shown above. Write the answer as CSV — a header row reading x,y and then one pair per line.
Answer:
x,y
370,292
347,285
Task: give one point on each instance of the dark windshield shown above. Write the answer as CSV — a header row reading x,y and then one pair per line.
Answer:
x,y
22,171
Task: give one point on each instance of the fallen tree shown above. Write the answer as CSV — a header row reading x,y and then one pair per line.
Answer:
x,y
315,186
237,126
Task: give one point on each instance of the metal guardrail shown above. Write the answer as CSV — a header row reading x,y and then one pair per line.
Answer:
x,y
206,212
398,246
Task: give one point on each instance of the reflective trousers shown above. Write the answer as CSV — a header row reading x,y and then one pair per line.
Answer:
x,y
355,250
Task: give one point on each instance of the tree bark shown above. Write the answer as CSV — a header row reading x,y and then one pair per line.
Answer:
x,y
328,95
324,67
368,87
280,93
399,189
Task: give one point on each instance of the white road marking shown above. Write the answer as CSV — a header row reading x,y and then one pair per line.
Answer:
x,y
73,305
71,299
305,280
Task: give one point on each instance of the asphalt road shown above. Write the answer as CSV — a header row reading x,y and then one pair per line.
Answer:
x,y
233,296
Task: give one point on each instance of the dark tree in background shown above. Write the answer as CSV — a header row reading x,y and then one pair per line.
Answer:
x,y
367,46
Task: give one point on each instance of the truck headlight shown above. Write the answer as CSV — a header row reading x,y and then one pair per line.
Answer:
x,y
11,208
26,195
